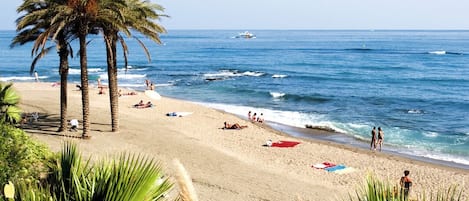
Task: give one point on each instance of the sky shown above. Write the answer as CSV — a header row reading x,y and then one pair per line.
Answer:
x,y
299,14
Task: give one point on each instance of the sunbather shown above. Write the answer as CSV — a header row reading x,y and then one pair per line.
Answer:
x,y
143,105
233,126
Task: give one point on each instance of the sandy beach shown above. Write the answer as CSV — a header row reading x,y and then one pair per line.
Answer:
x,y
224,164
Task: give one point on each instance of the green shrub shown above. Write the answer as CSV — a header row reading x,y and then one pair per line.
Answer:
x,y
21,158
126,178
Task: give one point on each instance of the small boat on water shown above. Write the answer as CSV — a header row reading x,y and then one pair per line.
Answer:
x,y
246,34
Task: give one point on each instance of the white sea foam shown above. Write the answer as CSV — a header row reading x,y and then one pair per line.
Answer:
x,y
279,76
437,52
254,74
223,74
25,78
124,76
77,71
232,73
415,111
73,71
164,85
430,134
440,156
95,70
277,94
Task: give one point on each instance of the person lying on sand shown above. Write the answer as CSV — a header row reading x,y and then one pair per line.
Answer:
x,y
233,126
127,94
139,104
143,105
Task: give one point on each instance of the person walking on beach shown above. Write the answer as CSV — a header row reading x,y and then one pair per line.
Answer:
x,y
406,184
249,115
147,83
36,76
373,139
380,138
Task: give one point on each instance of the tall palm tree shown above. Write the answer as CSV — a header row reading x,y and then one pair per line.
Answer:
x,y
78,17
9,99
139,16
32,27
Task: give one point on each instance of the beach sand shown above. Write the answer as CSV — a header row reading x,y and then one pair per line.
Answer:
x,y
223,164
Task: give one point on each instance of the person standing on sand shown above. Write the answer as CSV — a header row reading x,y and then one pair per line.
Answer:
x,y
36,76
249,115
380,138
405,183
373,139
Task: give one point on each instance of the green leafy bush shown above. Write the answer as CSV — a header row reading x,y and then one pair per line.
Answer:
x,y
21,158
126,178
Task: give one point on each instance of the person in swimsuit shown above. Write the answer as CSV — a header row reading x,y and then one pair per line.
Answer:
x,y
233,126
380,138
406,184
373,139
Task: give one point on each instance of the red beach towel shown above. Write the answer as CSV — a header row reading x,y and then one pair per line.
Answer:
x,y
285,144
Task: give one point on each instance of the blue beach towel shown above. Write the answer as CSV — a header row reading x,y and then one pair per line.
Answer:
x,y
337,167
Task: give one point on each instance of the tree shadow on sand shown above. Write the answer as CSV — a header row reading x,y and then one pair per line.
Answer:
x,y
48,124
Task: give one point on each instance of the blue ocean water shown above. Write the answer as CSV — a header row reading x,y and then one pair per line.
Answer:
x,y
413,84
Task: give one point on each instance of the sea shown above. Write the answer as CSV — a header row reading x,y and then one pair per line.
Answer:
x,y
414,84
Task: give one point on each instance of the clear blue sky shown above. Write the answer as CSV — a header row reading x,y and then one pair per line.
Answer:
x,y
300,14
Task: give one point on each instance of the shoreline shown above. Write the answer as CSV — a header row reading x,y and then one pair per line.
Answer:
x,y
341,140
229,164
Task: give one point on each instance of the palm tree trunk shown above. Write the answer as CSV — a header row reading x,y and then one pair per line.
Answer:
x,y
85,99
63,70
112,77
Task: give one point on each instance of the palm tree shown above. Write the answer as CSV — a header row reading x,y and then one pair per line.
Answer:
x,y
9,99
78,18
139,16
32,27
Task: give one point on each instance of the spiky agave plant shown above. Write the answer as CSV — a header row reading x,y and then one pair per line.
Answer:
x,y
129,178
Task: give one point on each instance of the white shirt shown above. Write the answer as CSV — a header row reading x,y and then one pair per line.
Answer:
x,y
74,122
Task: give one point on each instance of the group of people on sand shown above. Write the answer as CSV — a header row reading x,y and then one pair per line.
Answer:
x,y
141,104
377,138
255,118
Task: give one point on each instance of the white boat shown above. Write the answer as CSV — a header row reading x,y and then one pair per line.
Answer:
x,y
246,34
